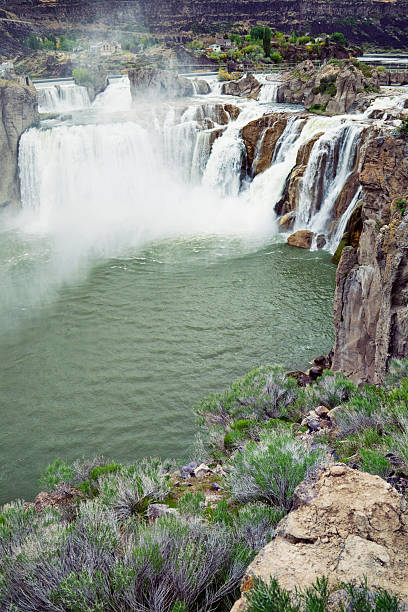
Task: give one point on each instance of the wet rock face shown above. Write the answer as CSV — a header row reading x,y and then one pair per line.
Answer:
x,y
345,525
260,137
18,111
153,82
371,298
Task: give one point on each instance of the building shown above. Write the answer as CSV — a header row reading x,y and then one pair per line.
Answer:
x,y
105,47
224,42
6,67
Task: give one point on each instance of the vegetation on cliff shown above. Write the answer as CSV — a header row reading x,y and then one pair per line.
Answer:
x,y
146,536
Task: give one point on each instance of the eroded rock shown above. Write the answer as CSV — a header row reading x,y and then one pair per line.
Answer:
x,y
301,239
347,525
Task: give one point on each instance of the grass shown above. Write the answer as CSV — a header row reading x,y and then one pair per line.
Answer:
x,y
317,598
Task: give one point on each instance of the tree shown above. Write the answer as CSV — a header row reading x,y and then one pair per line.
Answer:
x,y
339,38
267,41
257,32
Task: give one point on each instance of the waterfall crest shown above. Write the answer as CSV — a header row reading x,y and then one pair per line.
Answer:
x,y
61,97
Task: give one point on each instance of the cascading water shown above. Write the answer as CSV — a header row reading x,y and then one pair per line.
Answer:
x,y
337,235
269,90
330,164
61,97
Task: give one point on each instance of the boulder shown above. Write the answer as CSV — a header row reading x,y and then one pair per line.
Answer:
x,y
151,82
18,112
302,239
346,525
203,87
247,87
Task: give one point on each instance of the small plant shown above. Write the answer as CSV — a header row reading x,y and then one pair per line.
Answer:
x,y
55,474
276,57
403,128
271,470
373,462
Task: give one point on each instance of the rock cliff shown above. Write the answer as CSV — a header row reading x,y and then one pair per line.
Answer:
x,y
363,20
371,299
19,110
345,525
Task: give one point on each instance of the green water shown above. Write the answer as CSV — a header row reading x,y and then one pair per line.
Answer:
x,y
112,361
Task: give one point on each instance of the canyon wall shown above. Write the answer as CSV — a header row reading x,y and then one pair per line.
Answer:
x,y
379,20
371,299
19,110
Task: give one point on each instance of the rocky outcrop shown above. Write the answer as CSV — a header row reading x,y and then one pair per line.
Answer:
x,y
371,298
19,110
260,137
155,83
346,525
333,89
247,86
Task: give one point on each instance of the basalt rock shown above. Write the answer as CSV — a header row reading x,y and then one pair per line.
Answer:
x,y
371,298
346,525
248,87
260,137
333,88
19,111
155,83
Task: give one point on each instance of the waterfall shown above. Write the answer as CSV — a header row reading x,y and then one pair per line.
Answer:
x,y
61,97
223,170
269,185
116,97
330,164
338,233
269,89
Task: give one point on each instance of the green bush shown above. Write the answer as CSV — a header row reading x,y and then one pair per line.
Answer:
x,y
81,76
269,471
55,474
374,462
339,38
276,57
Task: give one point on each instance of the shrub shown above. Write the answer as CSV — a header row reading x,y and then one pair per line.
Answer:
x,y
81,76
224,75
263,393
271,470
133,488
256,524
276,57
373,462
191,504
55,474
339,38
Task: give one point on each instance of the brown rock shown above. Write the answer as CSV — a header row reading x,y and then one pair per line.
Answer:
x,y
260,137
301,238
248,87
347,525
286,221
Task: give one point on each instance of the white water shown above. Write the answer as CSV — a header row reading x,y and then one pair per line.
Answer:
x,y
330,164
337,235
269,89
61,97
155,174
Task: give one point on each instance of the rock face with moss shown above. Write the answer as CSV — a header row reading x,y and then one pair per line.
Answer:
x,y
371,299
19,110
345,524
333,89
